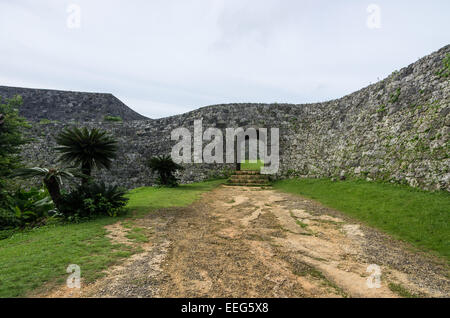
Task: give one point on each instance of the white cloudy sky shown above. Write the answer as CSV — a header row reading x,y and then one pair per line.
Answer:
x,y
171,56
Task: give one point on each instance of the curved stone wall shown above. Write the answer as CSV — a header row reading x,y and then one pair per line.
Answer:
x,y
395,130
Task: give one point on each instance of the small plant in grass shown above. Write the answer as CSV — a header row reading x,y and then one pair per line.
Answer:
x,y
166,168
137,234
299,223
402,291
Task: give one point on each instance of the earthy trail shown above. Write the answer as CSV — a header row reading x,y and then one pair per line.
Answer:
x,y
251,242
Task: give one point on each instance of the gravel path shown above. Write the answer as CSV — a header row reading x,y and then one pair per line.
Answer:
x,y
251,242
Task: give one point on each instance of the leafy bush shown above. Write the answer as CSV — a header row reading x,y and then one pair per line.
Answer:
x,y
93,199
52,179
11,140
165,167
8,219
26,208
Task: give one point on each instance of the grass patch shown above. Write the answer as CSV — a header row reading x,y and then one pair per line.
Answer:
x,y
30,259
253,166
311,271
419,217
137,234
146,199
402,291
300,223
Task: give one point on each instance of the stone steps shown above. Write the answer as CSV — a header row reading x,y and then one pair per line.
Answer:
x,y
248,178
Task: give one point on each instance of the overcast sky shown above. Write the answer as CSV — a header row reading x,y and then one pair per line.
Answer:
x,y
167,57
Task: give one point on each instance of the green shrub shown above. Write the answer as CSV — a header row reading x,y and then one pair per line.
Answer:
x,y
11,140
165,167
26,208
93,199
51,178
4,234
8,219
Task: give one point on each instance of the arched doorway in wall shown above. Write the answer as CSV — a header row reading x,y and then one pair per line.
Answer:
x,y
247,147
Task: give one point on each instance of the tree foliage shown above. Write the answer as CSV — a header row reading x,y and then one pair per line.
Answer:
x,y
165,167
52,179
11,139
88,148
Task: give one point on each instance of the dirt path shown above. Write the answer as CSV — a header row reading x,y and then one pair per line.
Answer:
x,y
250,242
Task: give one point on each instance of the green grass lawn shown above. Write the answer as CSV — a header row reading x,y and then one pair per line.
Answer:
x,y
419,217
32,258
255,166
145,198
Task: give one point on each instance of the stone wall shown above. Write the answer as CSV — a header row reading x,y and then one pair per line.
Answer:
x,y
395,130
65,106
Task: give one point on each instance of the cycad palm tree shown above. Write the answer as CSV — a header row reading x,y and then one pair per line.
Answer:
x,y
165,167
88,148
52,179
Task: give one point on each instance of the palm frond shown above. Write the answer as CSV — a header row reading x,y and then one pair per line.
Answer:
x,y
30,172
84,147
44,173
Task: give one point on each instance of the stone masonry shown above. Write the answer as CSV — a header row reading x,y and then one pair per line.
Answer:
x,y
396,130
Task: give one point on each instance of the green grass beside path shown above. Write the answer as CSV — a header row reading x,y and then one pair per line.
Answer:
x,y
30,259
418,217
141,199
